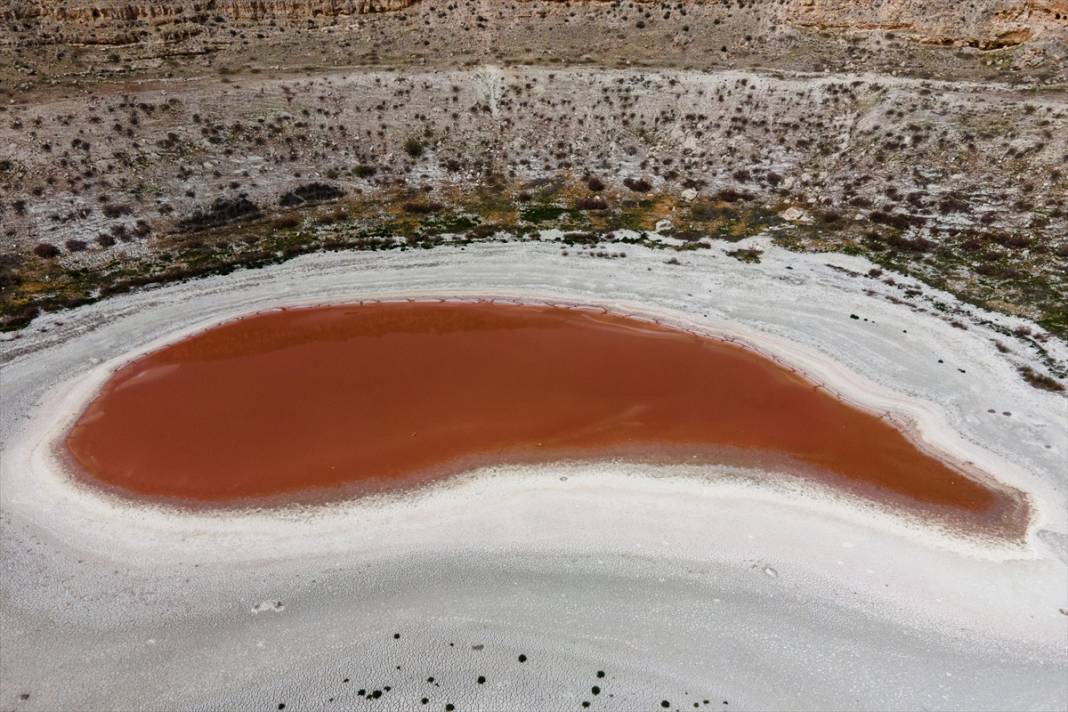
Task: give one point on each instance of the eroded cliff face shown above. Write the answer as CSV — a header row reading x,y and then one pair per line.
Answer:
x,y
989,24
129,21
986,24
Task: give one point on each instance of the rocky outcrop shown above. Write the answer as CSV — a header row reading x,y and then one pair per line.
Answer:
x,y
985,24
127,21
992,24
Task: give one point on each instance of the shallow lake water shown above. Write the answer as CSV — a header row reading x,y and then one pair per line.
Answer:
x,y
330,402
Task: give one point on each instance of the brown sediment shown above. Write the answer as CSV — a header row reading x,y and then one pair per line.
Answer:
x,y
300,404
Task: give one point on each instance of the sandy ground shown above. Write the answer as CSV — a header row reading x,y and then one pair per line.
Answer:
x,y
681,584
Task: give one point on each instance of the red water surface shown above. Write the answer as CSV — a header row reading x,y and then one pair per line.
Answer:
x,y
307,403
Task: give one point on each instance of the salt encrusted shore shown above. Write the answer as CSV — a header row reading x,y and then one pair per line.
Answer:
x,y
712,573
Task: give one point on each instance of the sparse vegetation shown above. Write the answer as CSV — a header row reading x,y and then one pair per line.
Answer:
x,y
1040,380
413,147
746,255
719,155
46,251
310,193
221,212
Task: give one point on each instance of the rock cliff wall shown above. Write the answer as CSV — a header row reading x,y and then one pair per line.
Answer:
x,y
987,24
990,24
128,21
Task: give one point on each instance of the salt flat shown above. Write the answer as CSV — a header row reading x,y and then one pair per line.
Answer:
x,y
681,584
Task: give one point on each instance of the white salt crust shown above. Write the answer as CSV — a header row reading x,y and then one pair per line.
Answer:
x,y
838,556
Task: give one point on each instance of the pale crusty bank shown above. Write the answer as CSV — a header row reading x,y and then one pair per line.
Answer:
x,y
677,584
